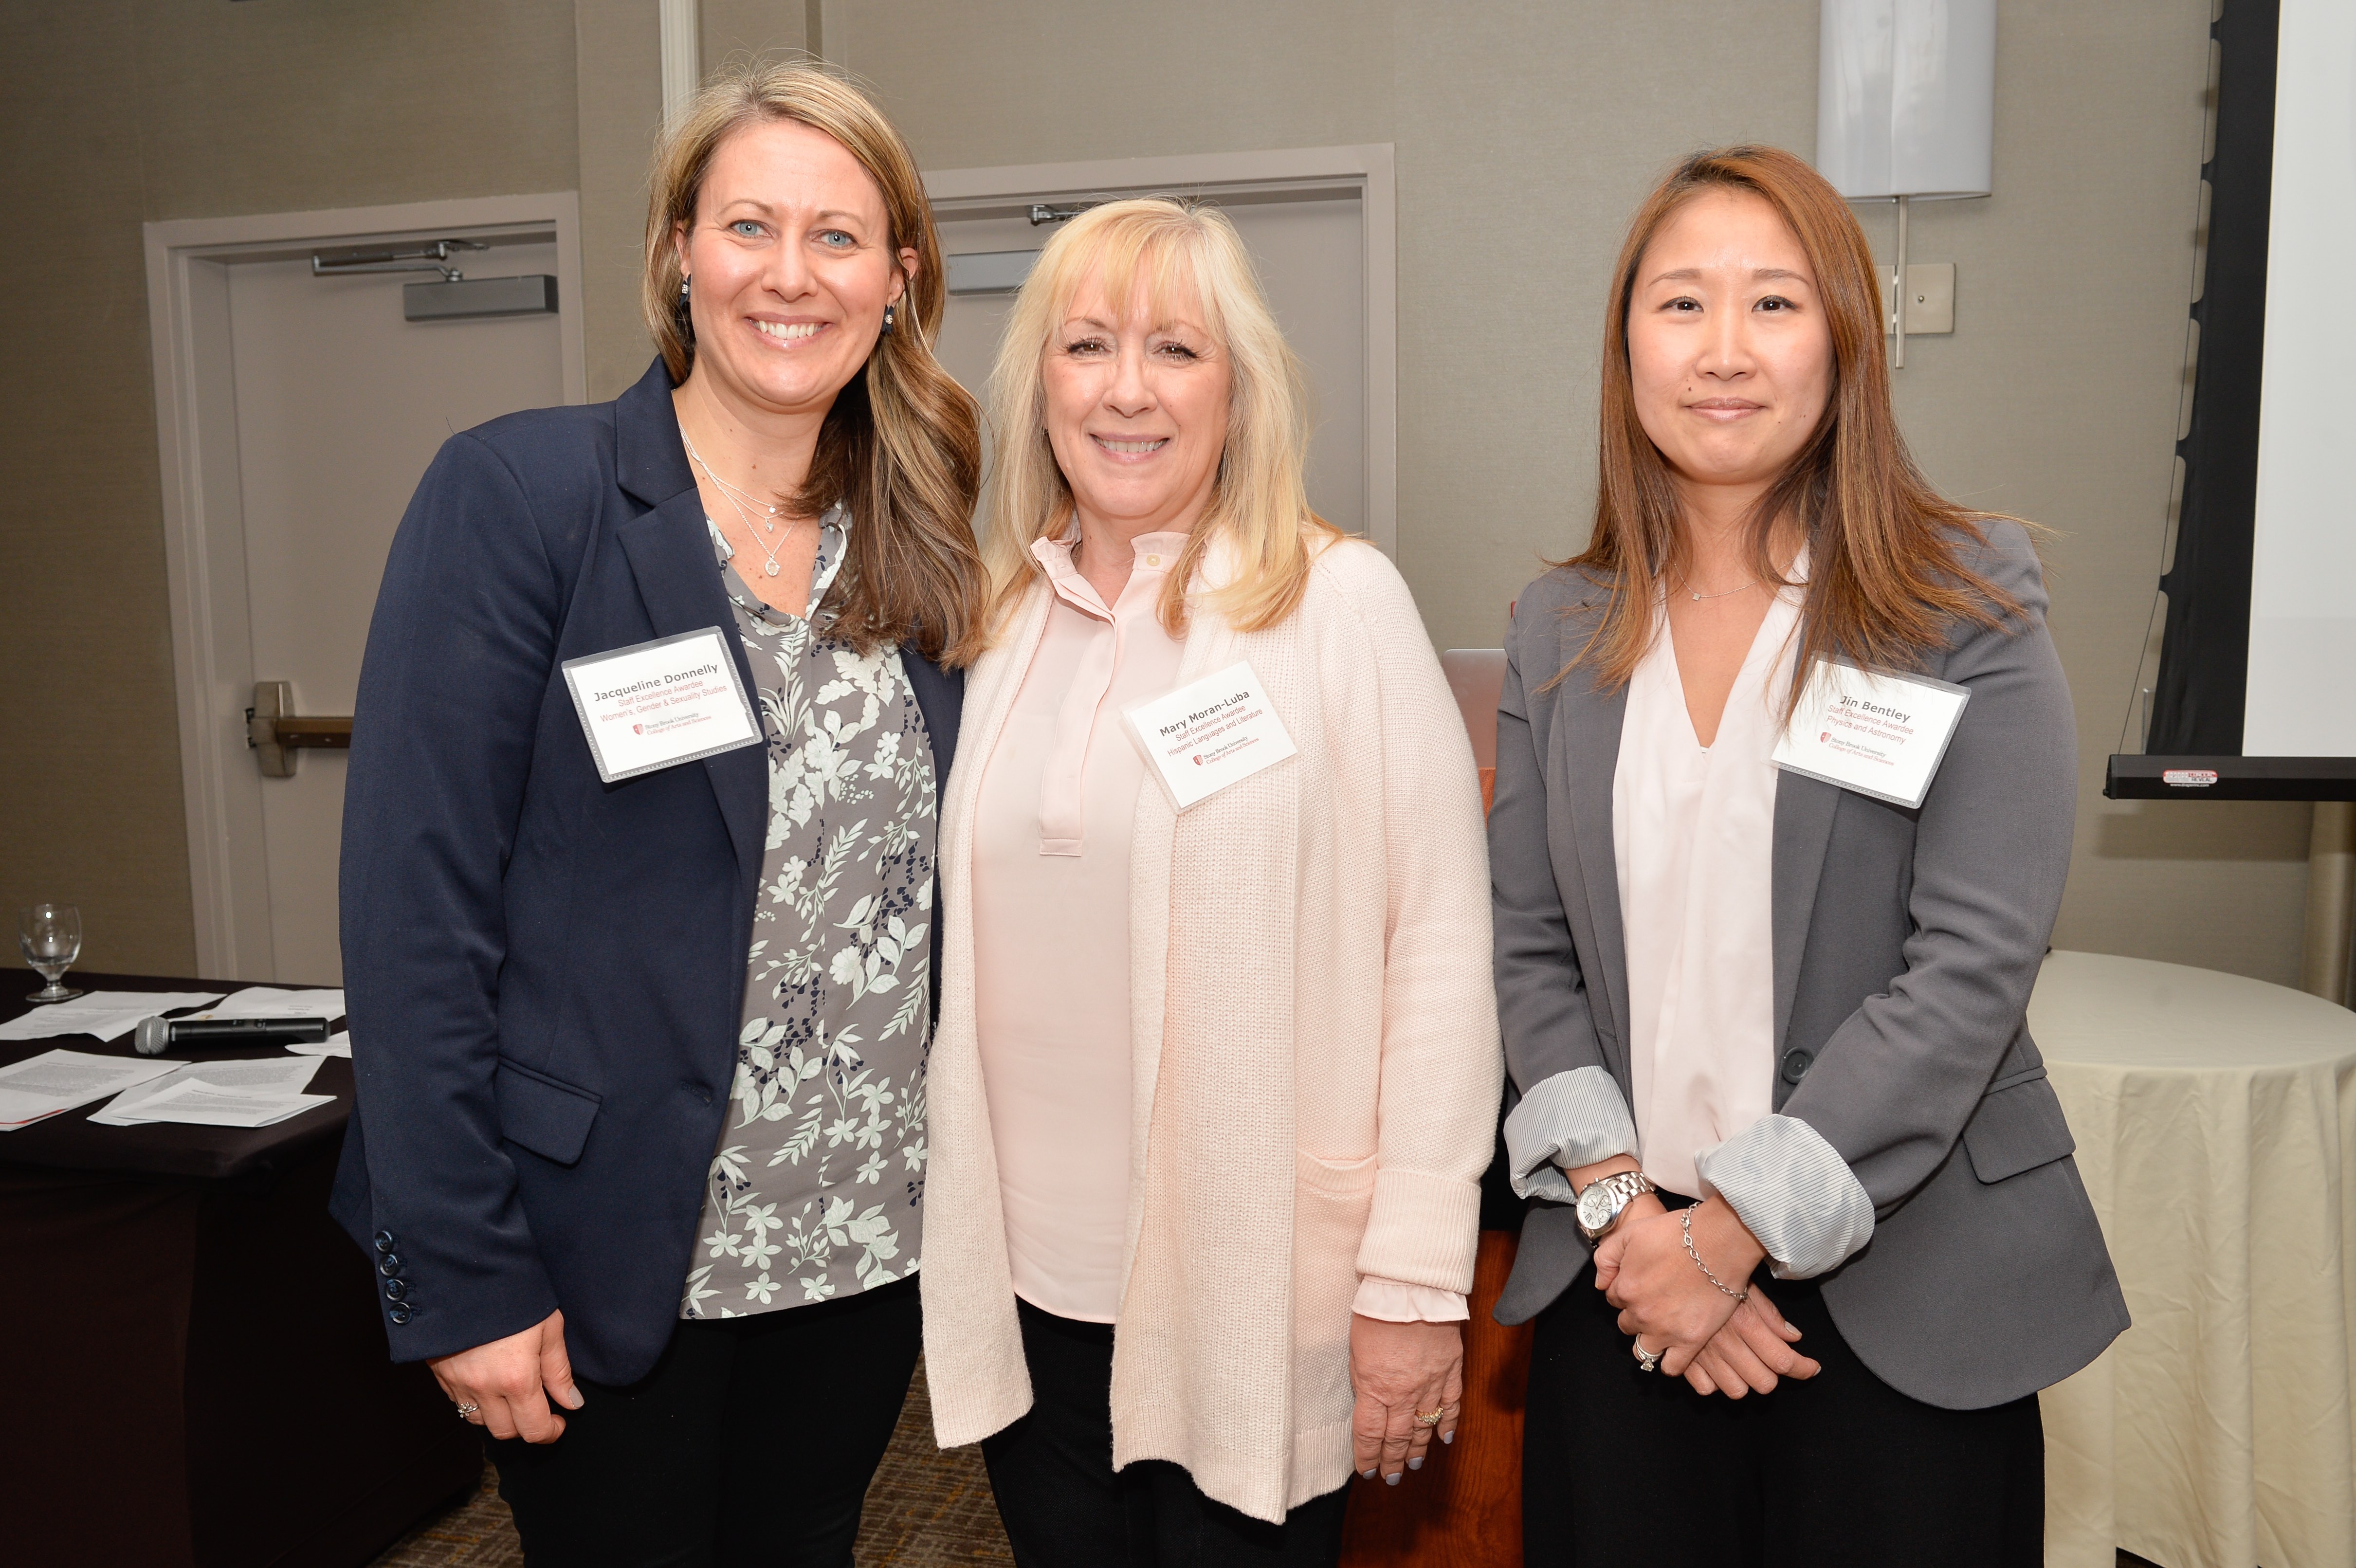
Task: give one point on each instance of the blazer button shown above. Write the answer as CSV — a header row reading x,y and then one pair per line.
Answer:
x,y
399,1314
395,1289
389,1266
1795,1065
384,1241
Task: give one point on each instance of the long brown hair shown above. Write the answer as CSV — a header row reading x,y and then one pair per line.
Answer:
x,y
902,446
1886,574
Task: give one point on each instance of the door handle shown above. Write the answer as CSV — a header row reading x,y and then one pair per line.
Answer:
x,y
273,733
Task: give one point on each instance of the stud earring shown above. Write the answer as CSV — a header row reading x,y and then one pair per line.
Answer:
x,y
682,288
887,321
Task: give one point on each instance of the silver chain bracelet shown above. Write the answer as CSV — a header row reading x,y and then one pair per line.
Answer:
x,y
1740,1295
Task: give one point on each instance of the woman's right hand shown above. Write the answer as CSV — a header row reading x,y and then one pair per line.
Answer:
x,y
512,1382
1751,1354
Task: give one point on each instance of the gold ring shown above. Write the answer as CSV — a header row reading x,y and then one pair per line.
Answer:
x,y
1433,1419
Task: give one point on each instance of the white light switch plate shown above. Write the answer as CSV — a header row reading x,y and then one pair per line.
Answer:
x,y
1929,298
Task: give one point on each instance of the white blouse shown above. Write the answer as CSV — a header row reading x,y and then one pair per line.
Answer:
x,y
1693,829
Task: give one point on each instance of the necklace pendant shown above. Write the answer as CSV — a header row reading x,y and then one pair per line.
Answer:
x,y
1697,595
771,568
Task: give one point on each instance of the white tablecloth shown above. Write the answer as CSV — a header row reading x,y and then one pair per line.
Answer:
x,y
2216,1126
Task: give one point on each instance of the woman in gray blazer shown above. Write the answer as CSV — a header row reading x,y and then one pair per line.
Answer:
x,y
1786,781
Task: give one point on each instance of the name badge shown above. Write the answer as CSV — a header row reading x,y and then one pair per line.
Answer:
x,y
659,704
1877,734
1202,737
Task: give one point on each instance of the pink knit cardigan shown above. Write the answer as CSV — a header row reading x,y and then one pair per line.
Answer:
x,y
1314,1036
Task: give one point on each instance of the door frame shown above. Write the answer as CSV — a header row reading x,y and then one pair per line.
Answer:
x,y
1280,174
204,519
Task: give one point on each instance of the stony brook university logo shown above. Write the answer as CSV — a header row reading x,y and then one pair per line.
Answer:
x,y
1827,736
1198,759
638,729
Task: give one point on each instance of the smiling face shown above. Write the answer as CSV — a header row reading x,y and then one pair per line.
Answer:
x,y
790,264
1136,410
1729,351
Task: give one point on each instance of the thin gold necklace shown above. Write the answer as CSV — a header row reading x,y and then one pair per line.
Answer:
x,y
1752,584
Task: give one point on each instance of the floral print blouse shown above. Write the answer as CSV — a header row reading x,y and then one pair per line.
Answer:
x,y
818,1185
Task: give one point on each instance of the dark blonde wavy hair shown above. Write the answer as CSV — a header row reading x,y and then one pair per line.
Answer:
x,y
1887,580
902,446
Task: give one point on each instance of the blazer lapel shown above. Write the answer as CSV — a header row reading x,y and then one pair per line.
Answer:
x,y
669,552
1589,722
1804,830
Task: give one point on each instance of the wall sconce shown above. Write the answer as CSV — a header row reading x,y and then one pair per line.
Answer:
x,y
1906,110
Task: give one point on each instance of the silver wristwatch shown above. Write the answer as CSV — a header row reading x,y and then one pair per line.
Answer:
x,y
1602,1202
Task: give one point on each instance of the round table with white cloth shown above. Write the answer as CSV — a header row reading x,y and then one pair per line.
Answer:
x,y
2215,1118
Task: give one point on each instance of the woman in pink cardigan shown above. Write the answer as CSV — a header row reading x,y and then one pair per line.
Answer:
x,y
1217,1068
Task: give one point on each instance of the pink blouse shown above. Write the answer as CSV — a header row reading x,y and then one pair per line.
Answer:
x,y
1051,879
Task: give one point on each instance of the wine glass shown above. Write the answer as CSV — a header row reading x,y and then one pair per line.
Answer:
x,y
50,935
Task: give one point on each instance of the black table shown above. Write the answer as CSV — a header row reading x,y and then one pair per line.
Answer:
x,y
197,1375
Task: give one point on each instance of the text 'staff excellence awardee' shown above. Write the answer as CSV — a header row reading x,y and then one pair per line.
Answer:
x,y
657,704
1875,732
1209,734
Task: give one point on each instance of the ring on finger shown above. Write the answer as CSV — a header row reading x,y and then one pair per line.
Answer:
x,y
1647,1360
1432,1420
469,1411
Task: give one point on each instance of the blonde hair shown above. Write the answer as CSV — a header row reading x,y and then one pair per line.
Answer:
x,y
902,447
1176,252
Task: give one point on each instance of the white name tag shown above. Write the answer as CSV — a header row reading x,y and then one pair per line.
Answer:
x,y
1880,734
1202,737
655,705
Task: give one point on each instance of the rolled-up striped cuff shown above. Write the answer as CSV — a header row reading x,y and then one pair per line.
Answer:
x,y
1797,1195
1572,1119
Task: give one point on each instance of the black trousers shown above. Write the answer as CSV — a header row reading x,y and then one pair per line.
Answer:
x,y
1064,1506
752,1442
1625,1467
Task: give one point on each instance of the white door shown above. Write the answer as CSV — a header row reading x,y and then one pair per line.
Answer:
x,y
336,405
1310,255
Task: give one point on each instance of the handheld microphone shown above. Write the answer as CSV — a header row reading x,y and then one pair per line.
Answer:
x,y
156,1035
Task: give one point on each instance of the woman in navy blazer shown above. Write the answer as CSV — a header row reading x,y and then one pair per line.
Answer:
x,y
554,1010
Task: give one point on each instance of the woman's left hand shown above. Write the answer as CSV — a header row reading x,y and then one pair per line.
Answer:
x,y
1665,1301
1401,1372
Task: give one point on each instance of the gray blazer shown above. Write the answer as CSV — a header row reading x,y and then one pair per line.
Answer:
x,y
1906,944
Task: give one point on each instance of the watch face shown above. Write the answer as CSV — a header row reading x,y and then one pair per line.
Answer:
x,y
1597,1205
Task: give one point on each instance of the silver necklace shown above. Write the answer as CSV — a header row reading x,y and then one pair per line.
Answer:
x,y
730,491
742,498
1752,584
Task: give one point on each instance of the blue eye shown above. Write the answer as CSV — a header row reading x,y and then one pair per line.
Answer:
x,y
835,238
745,228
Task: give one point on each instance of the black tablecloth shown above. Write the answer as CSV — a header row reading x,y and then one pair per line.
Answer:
x,y
198,1373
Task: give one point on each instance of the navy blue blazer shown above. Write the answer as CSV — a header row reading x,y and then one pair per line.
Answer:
x,y
545,973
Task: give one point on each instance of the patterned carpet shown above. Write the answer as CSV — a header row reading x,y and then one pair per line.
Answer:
x,y
926,1510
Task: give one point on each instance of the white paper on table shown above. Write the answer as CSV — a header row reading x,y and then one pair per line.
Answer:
x,y
105,1013
195,1100
279,1076
337,1045
59,1080
269,1001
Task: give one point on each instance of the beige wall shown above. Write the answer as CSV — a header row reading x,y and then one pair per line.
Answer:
x,y
121,111
1525,134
